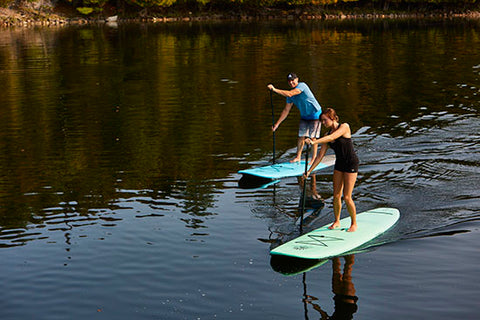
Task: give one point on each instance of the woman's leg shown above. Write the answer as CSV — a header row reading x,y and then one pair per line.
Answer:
x,y
349,180
337,197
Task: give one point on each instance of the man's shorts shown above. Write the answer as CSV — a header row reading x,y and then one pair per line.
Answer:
x,y
309,128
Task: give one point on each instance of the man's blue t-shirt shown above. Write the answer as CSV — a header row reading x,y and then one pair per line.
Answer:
x,y
309,107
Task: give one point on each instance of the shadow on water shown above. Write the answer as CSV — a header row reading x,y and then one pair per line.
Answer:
x,y
252,182
292,266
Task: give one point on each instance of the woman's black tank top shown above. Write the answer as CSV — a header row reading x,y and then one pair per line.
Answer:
x,y
346,158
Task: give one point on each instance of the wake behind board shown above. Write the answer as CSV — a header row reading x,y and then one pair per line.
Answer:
x,y
283,170
323,243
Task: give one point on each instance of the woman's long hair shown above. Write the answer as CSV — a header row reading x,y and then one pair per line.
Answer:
x,y
331,114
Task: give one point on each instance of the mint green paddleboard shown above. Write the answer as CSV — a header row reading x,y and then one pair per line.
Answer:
x,y
323,243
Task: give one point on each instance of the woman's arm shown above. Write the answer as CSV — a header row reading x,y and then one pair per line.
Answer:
x,y
343,130
318,159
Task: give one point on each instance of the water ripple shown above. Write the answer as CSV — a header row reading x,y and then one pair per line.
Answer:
x,y
431,173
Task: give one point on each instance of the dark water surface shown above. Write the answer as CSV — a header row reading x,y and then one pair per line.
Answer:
x,y
119,147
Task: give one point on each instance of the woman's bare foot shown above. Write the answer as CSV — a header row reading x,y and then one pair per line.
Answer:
x,y
297,159
335,225
352,228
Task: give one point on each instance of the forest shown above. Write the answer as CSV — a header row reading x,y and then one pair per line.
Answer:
x,y
145,8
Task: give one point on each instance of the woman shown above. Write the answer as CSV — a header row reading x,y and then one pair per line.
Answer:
x,y
339,138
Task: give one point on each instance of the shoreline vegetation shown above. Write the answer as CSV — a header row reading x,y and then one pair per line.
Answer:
x,y
44,13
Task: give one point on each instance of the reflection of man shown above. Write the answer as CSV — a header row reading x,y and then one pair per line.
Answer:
x,y
313,193
314,199
342,285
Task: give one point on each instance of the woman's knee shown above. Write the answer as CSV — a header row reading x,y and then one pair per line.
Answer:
x,y
347,198
337,197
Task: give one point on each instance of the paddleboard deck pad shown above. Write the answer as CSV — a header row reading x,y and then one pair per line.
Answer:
x,y
324,243
283,170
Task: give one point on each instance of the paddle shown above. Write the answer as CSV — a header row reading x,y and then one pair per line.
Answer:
x,y
273,123
304,193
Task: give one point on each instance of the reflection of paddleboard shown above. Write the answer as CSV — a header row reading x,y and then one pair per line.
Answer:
x,y
286,169
323,243
292,266
251,182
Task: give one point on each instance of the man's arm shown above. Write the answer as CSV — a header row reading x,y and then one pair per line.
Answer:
x,y
285,93
283,115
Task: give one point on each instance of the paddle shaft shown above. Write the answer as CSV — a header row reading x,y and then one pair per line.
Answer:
x,y
304,193
273,123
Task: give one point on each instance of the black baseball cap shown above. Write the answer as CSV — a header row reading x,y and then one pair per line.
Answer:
x,y
291,76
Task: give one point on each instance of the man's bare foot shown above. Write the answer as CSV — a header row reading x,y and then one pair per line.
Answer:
x,y
311,162
335,225
297,159
352,228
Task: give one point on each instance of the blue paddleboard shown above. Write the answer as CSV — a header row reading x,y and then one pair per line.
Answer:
x,y
283,170
324,243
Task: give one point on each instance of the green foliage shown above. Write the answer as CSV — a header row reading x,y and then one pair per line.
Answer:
x,y
85,10
95,3
5,3
86,7
308,2
152,3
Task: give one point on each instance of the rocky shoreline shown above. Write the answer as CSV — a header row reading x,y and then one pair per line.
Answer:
x,y
28,17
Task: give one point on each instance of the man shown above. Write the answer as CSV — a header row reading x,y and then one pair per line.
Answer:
x,y
302,97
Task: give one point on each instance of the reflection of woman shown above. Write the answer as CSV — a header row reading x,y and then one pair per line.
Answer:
x,y
344,290
339,138
342,285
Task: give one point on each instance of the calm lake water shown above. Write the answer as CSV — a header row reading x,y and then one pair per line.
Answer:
x,y
120,146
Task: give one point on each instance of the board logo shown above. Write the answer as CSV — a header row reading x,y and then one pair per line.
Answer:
x,y
318,240
299,248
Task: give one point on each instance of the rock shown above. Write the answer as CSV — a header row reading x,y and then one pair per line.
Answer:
x,y
112,19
